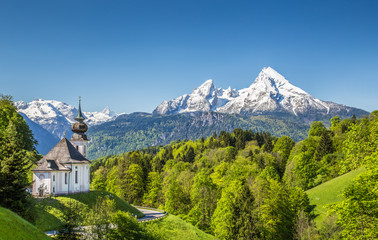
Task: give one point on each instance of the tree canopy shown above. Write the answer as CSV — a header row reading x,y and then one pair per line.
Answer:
x,y
17,154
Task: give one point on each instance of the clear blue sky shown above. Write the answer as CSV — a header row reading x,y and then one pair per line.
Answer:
x,y
132,55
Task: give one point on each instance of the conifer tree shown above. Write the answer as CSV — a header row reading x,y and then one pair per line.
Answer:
x,y
16,144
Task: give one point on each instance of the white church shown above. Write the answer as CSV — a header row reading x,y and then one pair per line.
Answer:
x,y
65,169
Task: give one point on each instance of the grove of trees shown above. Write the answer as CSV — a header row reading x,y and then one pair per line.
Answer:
x,y
247,185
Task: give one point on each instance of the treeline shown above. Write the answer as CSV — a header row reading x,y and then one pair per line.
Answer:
x,y
243,185
229,185
140,130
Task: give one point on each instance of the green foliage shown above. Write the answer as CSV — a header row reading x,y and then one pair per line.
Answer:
x,y
153,196
127,227
358,212
17,154
360,144
330,192
173,228
140,130
70,221
283,146
316,129
98,181
50,211
98,218
204,198
210,182
131,183
326,154
242,185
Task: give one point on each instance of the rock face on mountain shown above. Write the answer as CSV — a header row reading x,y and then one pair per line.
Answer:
x,y
270,93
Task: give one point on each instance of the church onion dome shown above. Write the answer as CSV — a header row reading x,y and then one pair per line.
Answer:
x,y
79,127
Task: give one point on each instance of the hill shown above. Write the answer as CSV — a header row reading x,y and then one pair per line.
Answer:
x,y
139,130
15,227
330,192
173,227
50,210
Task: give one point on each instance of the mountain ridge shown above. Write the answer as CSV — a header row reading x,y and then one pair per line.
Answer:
x,y
50,120
270,98
270,93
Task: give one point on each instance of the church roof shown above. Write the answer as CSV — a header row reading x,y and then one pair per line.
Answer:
x,y
63,153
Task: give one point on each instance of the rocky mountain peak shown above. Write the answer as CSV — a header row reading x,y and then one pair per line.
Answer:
x,y
108,112
270,93
56,117
205,89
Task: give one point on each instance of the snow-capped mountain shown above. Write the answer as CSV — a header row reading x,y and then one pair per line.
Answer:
x,y
56,117
270,93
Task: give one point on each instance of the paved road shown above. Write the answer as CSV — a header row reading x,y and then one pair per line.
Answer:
x,y
150,214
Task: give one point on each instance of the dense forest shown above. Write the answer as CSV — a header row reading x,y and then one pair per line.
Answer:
x,y
140,130
251,185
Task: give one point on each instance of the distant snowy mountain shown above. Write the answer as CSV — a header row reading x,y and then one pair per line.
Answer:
x,y
270,93
56,117
46,140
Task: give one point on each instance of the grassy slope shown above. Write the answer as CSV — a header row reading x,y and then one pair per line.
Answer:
x,y
173,227
50,210
13,226
330,192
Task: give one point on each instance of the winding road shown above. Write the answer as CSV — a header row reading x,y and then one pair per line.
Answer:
x,y
150,214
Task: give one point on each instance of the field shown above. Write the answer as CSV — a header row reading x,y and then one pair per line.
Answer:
x,y
330,192
15,227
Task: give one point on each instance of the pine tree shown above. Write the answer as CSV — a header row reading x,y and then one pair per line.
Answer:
x,y
16,144
324,147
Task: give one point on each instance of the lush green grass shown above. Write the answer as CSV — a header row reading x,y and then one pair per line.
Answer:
x,y
330,192
50,210
13,226
173,227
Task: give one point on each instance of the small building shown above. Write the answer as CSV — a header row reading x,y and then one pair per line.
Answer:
x,y
65,169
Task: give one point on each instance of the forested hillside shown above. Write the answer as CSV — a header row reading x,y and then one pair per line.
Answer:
x,y
139,130
247,185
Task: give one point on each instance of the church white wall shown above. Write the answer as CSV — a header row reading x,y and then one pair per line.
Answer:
x,y
61,185
43,178
81,146
58,186
82,184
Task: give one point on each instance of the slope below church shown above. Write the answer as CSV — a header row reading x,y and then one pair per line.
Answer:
x,y
65,168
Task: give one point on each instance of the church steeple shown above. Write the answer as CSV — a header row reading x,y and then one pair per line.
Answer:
x,y
79,138
79,116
